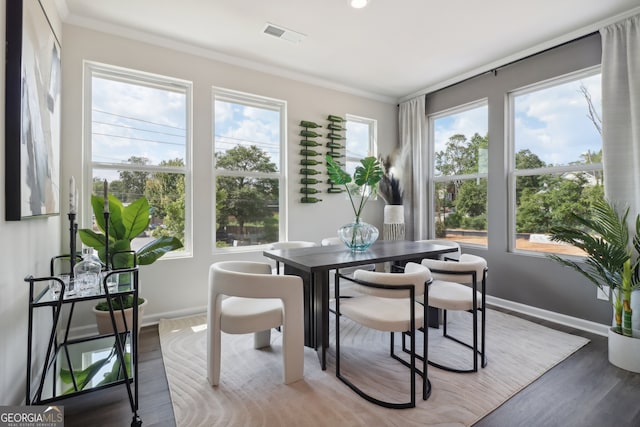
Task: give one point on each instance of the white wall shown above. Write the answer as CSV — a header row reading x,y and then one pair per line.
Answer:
x,y
179,286
25,248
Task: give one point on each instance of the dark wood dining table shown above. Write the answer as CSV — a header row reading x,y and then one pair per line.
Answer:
x,y
314,264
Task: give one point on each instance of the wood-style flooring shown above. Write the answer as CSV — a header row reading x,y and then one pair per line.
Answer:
x,y
582,391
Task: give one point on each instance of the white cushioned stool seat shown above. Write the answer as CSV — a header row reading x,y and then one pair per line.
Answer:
x,y
382,314
246,315
452,296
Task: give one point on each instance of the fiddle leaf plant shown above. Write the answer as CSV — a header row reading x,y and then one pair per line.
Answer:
x,y
125,223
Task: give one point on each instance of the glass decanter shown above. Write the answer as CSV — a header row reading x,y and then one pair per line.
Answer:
x,y
87,273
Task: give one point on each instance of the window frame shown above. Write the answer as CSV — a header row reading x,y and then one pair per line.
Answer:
x,y
432,179
141,78
513,173
256,101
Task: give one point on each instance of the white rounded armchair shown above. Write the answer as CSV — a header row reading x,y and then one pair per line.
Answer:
x,y
256,301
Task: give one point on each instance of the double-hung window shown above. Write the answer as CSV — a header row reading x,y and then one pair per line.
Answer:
x,y
249,140
459,173
138,138
556,156
361,140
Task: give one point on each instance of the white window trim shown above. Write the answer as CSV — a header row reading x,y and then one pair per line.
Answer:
x,y
513,173
228,95
95,69
432,179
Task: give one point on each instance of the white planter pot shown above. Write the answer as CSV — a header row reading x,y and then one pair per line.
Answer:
x,y
103,320
624,352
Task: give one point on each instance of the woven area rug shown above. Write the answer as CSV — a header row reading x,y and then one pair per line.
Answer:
x,y
251,392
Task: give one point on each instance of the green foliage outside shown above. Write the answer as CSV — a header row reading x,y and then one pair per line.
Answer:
x,y
244,200
543,201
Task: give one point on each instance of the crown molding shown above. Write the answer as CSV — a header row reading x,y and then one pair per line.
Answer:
x,y
183,47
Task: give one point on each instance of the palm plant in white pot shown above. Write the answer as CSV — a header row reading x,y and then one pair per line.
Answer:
x,y
612,264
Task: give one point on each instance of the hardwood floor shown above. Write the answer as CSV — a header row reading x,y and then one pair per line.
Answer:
x,y
110,407
582,391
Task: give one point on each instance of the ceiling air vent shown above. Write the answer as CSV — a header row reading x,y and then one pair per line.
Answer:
x,y
283,33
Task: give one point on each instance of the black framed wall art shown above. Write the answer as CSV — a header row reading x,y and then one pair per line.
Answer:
x,y
32,113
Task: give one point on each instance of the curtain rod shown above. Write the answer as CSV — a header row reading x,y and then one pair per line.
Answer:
x,y
495,70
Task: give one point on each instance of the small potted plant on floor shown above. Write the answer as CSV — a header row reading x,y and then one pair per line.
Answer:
x,y
125,223
611,264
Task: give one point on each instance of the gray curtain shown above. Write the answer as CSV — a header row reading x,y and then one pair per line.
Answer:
x,y
621,112
621,119
412,126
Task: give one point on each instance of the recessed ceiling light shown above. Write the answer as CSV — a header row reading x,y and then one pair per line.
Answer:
x,y
358,4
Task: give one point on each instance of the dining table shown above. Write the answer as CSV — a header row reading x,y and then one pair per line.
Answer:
x,y
313,265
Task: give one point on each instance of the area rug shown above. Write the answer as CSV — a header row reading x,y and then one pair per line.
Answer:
x,y
251,392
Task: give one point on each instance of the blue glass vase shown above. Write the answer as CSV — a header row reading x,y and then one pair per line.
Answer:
x,y
358,235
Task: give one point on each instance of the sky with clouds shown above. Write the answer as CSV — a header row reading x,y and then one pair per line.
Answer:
x,y
241,124
133,120
552,122
145,121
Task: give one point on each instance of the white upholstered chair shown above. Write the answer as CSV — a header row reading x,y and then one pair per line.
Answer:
x,y
291,245
387,302
244,297
460,285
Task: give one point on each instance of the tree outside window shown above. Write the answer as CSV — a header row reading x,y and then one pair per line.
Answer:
x,y
557,157
248,141
461,145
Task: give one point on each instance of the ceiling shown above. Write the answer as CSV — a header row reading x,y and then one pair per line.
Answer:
x,y
390,50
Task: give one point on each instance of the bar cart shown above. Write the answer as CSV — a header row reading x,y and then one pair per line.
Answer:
x,y
83,365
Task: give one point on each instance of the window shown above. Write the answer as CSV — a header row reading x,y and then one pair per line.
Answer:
x,y
249,137
139,140
361,140
460,144
557,153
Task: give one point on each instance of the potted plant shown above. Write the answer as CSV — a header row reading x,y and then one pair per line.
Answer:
x,y
358,235
391,192
612,265
125,223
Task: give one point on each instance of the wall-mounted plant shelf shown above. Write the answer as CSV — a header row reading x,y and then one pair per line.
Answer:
x,y
310,157
336,148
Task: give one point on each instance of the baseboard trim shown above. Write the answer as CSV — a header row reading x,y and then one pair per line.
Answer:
x,y
147,320
155,319
563,319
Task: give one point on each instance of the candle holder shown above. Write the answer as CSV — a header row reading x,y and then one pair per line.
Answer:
x,y
106,240
73,230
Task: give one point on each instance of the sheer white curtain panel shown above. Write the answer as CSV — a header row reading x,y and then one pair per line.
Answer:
x,y
412,125
621,120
